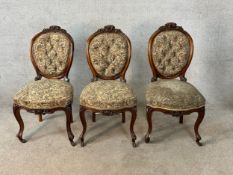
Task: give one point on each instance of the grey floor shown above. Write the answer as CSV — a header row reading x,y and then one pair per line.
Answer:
x,y
108,150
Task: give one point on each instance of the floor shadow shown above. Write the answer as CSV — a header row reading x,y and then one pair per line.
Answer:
x,y
46,120
169,132
98,135
98,124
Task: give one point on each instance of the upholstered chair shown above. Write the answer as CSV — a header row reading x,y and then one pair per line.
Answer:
x,y
51,55
108,54
170,52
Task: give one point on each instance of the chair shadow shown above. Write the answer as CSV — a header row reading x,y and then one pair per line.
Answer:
x,y
98,135
169,132
95,125
43,124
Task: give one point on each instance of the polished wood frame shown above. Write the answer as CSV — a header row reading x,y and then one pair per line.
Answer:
x,y
96,76
64,74
181,75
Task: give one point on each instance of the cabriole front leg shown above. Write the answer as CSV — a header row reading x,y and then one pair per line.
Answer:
x,y
16,111
69,119
133,118
149,121
201,114
84,124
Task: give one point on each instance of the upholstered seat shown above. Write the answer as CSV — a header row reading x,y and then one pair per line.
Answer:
x,y
173,95
107,95
45,94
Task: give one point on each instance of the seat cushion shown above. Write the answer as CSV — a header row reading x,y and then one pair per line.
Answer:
x,y
107,95
173,95
45,94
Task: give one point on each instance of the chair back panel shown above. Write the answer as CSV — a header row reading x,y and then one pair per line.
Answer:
x,y
108,53
52,52
170,51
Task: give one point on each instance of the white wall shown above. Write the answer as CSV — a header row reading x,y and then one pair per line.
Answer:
x,y
210,23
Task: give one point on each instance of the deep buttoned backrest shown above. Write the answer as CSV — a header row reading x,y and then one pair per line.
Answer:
x,y
108,53
52,52
170,51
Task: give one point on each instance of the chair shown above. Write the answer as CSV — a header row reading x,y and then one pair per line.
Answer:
x,y
108,54
51,55
170,52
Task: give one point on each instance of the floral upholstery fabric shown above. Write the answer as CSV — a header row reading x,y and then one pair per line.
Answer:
x,y
170,52
51,52
173,95
45,94
108,53
107,95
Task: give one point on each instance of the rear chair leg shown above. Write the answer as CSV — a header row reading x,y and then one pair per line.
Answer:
x,y
40,117
93,117
123,117
181,119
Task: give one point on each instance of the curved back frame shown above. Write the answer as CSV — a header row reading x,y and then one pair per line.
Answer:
x,y
108,53
51,53
170,52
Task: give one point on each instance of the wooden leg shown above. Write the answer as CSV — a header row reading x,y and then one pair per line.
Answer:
x,y
68,112
40,117
181,119
200,117
16,111
149,121
84,124
71,118
123,117
133,118
93,117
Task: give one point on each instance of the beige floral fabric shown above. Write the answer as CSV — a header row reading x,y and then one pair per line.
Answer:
x,y
51,52
173,95
170,52
45,94
107,95
108,53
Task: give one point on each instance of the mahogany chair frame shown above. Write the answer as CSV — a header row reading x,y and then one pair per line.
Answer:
x,y
96,76
64,74
181,75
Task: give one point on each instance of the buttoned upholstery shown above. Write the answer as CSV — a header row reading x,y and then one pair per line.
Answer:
x,y
50,52
108,53
170,52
